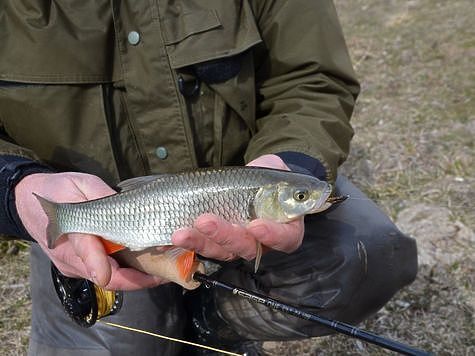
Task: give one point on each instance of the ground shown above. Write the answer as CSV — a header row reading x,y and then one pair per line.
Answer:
x,y
413,153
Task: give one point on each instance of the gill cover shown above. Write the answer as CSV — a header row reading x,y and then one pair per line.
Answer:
x,y
284,202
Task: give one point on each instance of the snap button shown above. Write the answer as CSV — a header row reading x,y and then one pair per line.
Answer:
x,y
161,152
133,38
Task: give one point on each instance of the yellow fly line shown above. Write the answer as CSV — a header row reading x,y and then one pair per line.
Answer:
x,y
169,338
105,302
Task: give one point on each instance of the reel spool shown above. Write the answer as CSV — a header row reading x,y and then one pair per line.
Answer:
x,y
84,301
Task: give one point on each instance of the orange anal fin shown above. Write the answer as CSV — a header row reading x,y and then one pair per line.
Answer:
x,y
185,263
111,247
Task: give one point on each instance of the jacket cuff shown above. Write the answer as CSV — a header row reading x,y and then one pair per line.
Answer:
x,y
12,170
302,163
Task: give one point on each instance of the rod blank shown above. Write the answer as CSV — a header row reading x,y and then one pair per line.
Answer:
x,y
338,326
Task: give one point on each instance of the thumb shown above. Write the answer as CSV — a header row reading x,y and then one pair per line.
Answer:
x,y
91,252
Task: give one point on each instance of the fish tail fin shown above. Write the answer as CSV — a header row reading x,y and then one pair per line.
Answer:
x,y
185,263
53,232
257,261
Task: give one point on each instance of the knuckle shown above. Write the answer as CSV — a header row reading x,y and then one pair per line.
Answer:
x,y
183,238
230,257
65,256
223,232
223,239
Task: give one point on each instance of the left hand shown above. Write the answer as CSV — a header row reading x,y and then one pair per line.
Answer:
x,y
214,237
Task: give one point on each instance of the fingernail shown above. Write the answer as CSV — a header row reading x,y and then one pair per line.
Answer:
x,y
208,228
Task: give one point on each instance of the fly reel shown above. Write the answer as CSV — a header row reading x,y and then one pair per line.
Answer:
x,y
84,301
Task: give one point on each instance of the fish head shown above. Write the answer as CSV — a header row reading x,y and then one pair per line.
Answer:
x,y
287,200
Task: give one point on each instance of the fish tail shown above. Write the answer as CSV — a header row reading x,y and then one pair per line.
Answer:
x,y
185,263
53,232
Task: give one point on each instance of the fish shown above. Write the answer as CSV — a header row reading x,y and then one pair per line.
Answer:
x,y
147,210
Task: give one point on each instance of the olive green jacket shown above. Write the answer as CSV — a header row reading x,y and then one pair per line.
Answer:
x,y
98,87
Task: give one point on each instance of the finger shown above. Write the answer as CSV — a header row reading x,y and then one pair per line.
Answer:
x,y
131,279
231,237
65,259
281,237
73,269
92,187
71,265
192,239
91,252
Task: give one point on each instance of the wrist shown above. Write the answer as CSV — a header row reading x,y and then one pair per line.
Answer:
x,y
13,170
302,163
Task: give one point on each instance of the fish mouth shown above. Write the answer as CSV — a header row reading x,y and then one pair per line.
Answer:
x,y
330,202
337,200
324,202
320,208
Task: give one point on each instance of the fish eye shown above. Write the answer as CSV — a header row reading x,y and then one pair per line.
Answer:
x,y
301,195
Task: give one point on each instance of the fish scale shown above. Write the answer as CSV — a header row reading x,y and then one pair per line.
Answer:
x,y
149,209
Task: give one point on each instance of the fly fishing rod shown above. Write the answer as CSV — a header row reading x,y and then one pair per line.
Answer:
x,y
338,326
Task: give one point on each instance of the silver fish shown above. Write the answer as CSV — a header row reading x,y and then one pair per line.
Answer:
x,y
149,209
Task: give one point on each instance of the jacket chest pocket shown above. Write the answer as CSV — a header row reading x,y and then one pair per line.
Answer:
x,y
209,47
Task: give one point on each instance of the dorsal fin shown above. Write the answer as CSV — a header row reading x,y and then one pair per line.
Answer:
x,y
133,183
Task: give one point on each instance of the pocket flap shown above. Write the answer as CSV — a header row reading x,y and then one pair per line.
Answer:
x,y
204,34
190,24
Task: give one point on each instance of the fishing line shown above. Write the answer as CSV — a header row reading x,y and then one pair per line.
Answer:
x,y
86,303
169,338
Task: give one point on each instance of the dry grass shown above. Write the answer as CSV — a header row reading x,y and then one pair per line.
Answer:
x,y
415,128
14,299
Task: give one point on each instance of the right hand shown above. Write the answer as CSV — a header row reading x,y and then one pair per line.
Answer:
x,y
75,255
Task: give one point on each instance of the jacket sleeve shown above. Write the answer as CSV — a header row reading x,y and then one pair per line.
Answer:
x,y
305,82
15,163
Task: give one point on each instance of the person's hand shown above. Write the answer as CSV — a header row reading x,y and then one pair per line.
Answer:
x,y
213,237
75,255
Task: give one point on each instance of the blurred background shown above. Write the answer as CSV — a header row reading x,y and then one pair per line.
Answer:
x,y
413,153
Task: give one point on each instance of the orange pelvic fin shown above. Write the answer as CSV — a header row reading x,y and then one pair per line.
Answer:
x,y
111,247
185,263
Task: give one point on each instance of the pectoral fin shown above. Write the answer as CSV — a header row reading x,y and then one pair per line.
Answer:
x,y
172,263
257,261
111,247
184,263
